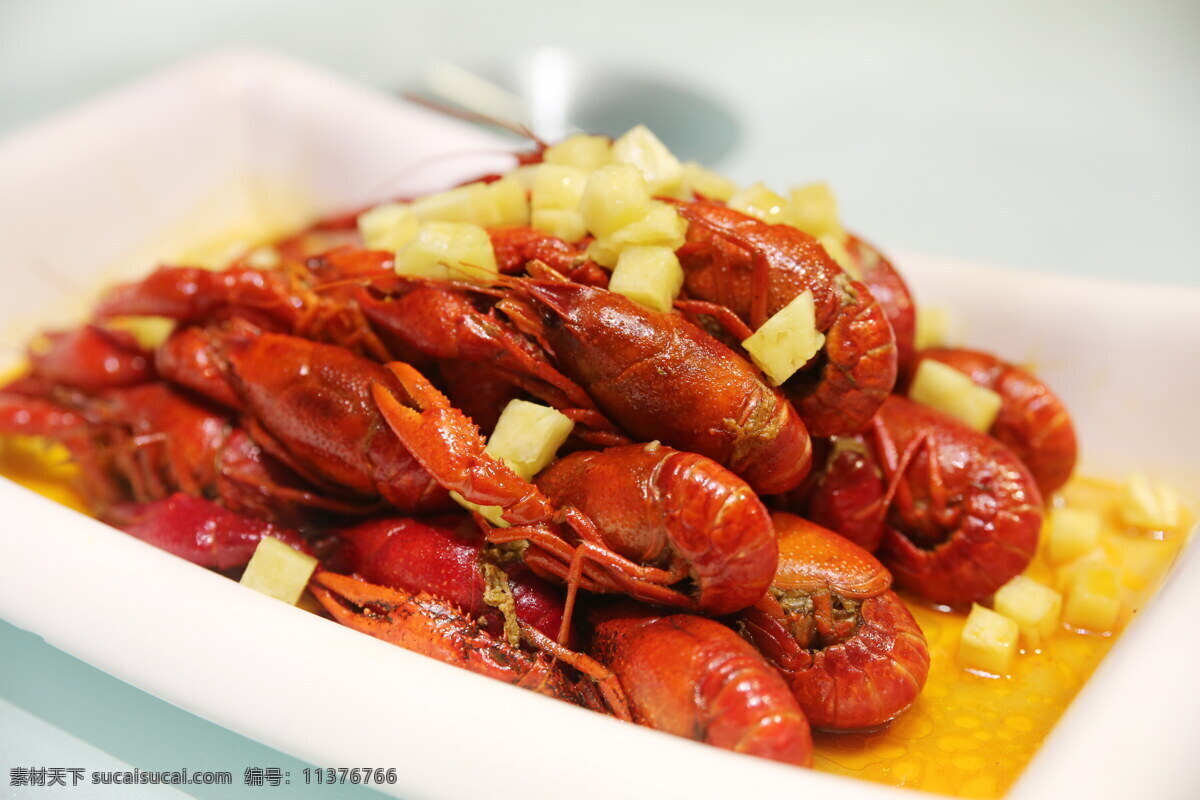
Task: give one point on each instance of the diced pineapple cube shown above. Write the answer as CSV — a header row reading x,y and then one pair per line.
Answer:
x,y
1065,573
388,227
604,252
940,386
1149,505
448,250
148,332
932,325
468,203
525,174
493,514
786,341
1093,598
1034,607
699,180
615,196
761,203
264,257
582,151
836,248
508,203
648,275
814,211
1071,532
279,571
558,187
989,641
641,148
526,438
661,226
217,255
565,224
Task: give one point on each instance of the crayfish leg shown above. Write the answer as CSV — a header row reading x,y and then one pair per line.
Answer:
x,y
730,322
601,676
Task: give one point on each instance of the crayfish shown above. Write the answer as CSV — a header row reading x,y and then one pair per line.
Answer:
x,y
646,570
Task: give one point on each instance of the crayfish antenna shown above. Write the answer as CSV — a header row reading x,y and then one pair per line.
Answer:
x,y
543,271
479,118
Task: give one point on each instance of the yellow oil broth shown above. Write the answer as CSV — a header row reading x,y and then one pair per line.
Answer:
x,y
970,735
42,467
966,735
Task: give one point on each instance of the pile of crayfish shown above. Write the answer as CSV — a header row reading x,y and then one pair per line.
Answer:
x,y
710,554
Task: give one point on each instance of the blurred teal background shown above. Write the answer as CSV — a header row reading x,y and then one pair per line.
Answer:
x,y
1056,136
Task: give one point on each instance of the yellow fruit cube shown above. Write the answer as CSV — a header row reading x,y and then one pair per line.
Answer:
x,y
508,204
149,332
493,514
836,248
932,326
989,641
641,148
1065,573
1071,532
699,180
387,227
786,341
501,202
526,438
525,174
814,211
604,252
648,275
265,257
1149,505
461,204
279,571
565,224
942,387
582,151
761,203
558,187
1035,608
1093,599
448,250
661,227
615,196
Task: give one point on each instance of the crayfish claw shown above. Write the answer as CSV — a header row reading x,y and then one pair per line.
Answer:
x,y
423,393
432,627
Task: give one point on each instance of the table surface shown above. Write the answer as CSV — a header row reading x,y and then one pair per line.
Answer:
x,y
1052,136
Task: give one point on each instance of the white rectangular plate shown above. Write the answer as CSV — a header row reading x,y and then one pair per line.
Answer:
x,y
197,152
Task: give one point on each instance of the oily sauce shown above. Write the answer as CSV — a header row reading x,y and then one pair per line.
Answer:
x,y
970,735
967,735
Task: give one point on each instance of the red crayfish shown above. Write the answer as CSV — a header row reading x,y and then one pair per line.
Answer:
x,y
598,553
1033,422
754,269
852,653
956,514
327,402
